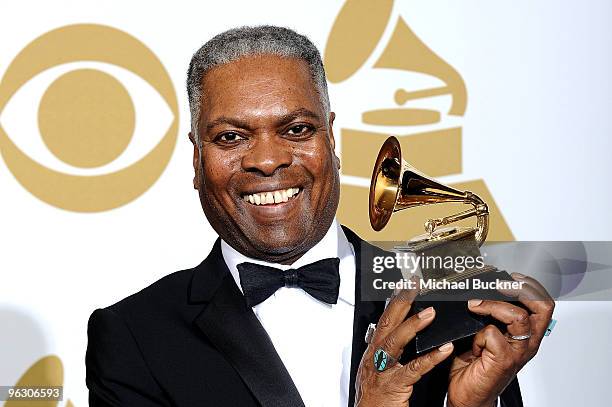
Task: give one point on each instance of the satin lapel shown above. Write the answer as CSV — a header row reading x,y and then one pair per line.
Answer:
x,y
364,313
235,331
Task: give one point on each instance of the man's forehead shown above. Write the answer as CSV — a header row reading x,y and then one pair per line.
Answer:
x,y
256,70
263,84
261,61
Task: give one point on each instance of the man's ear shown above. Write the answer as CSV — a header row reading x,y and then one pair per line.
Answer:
x,y
330,134
196,162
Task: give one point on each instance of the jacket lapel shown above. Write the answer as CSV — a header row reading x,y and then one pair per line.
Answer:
x,y
234,330
365,312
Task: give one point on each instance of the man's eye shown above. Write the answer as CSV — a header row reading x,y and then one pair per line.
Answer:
x,y
299,130
229,137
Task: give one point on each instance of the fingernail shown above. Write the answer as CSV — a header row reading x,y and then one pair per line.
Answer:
x,y
518,275
446,347
474,302
426,313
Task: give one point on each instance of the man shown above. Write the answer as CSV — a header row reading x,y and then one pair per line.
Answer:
x,y
244,328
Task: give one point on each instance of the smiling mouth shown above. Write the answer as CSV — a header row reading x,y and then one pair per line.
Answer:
x,y
272,197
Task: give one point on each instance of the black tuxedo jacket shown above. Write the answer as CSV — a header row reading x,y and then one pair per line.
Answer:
x,y
190,340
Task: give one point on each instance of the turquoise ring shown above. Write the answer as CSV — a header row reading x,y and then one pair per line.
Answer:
x,y
382,360
551,326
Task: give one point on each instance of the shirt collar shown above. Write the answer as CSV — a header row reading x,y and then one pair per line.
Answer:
x,y
333,244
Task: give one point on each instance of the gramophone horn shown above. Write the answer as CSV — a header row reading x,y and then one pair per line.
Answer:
x,y
396,185
384,186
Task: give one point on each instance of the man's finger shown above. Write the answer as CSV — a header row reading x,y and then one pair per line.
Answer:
x,y
533,295
491,339
516,318
534,283
395,313
416,368
541,309
396,340
542,306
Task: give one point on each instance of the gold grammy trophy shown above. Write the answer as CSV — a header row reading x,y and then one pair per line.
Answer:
x,y
395,186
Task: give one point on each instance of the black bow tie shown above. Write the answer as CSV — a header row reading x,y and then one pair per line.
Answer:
x,y
320,279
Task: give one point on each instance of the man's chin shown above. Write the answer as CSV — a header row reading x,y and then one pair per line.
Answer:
x,y
276,250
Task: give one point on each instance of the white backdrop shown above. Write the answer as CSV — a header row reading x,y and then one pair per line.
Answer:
x,y
537,128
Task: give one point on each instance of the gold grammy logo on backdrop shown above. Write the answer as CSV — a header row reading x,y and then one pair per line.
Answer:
x,y
355,39
86,118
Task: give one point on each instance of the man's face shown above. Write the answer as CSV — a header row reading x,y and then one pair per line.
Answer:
x,y
267,173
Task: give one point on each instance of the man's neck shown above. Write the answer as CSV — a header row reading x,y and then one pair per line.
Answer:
x,y
326,246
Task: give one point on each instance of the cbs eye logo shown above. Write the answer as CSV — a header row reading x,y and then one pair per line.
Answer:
x,y
85,133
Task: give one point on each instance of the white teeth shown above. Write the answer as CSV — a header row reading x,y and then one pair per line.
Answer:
x,y
271,197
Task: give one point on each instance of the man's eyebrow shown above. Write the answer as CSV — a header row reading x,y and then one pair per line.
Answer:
x,y
280,121
228,120
289,117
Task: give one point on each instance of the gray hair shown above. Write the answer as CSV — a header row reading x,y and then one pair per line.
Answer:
x,y
241,42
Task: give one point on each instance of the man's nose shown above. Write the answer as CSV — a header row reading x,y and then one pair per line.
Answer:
x,y
266,155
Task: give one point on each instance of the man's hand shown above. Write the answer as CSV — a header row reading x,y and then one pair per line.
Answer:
x,y
479,376
393,386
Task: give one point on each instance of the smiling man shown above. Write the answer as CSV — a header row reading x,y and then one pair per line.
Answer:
x,y
273,316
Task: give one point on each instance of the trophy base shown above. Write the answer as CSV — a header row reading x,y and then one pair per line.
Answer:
x,y
454,321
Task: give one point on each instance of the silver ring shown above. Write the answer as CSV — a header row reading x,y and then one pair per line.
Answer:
x,y
517,338
370,333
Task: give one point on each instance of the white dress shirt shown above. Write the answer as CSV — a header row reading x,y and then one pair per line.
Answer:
x,y
312,338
